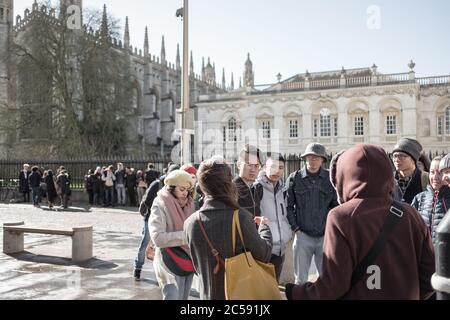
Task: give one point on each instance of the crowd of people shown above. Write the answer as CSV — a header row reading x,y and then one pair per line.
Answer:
x,y
334,216
44,184
118,187
104,185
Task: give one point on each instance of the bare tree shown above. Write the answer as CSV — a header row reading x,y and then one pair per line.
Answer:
x,y
73,87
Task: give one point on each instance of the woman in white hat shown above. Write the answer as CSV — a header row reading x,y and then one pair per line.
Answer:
x,y
172,206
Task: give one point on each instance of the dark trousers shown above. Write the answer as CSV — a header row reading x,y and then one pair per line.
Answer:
x,y
91,196
109,196
277,262
26,196
132,196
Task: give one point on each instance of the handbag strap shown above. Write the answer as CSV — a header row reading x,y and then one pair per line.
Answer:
x,y
237,225
394,216
214,251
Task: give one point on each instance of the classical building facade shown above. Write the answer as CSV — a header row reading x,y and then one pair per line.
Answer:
x,y
336,108
156,81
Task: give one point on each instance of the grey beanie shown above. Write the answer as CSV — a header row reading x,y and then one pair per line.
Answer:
x,y
410,146
445,163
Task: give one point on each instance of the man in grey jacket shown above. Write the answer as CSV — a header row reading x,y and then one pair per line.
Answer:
x,y
310,197
273,207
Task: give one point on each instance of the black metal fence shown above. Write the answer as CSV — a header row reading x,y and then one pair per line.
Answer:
x,y
78,169
9,169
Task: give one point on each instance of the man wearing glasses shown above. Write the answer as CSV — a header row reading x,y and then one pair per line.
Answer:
x,y
409,179
248,164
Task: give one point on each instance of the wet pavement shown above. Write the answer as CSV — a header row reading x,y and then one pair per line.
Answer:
x,y
45,269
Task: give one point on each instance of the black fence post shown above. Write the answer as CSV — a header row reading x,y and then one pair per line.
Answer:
x,y
441,279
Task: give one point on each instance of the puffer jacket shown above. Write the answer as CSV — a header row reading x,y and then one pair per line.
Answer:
x,y
273,207
432,207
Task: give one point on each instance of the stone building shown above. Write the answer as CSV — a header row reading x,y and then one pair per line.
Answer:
x,y
336,108
156,81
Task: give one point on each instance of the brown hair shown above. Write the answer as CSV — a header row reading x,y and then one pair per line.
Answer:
x,y
216,181
171,189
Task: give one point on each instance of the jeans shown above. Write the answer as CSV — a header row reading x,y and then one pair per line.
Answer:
x,y
304,248
140,259
121,195
36,191
180,291
109,195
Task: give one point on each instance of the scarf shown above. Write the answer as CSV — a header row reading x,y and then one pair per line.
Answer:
x,y
176,215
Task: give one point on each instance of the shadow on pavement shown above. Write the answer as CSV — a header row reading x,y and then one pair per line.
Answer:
x,y
59,261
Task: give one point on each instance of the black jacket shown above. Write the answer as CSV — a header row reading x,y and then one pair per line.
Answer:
x,y
23,181
432,207
249,199
309,202
414,187
35,179
149,196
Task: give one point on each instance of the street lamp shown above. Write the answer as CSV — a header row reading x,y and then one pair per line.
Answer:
x,y
184,14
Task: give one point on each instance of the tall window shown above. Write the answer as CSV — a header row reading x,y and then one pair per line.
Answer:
x,y
315,128
325,125
224,133
440,126
293,128
266,129
232,130
359,126
134,99
335,127
1,14
391,124
447,120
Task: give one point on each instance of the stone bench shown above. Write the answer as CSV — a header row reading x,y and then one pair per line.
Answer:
x,y
13,236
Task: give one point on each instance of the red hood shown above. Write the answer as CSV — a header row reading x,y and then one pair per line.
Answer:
x,y
363,171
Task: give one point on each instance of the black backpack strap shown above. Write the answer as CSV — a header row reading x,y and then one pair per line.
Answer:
x,y
394,216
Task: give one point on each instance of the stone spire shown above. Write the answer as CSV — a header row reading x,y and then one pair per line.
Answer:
x,y
104,32
203,68
191,65
126,37
163,52
232,81
249,77
224,85
240,82
146,46
178,63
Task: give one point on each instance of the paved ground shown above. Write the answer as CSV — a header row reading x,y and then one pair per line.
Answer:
x,y
45,270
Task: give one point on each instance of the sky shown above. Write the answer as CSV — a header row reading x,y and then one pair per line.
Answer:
x,y
292,36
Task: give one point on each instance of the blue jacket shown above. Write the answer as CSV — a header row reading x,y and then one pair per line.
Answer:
x,y
308,203
432,207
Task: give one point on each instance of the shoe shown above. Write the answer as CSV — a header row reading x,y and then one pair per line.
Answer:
x,y
137,274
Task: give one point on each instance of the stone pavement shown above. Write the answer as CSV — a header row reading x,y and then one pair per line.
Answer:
x,y
45,271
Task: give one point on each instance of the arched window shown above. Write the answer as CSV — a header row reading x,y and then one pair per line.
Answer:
x,y
134,99
447,120
325,123
232,130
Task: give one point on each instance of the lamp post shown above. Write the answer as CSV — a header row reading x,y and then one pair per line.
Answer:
x,y
184,13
